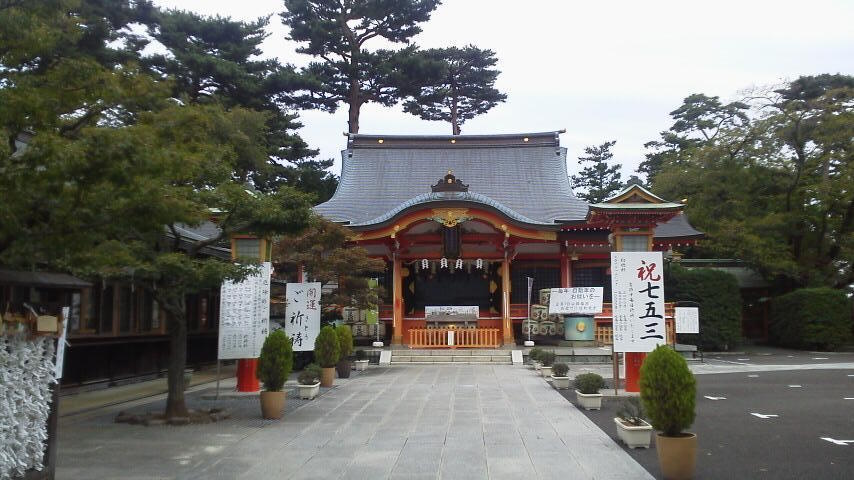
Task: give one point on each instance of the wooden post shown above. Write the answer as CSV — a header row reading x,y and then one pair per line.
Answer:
x,y
397,313
565,268
507,322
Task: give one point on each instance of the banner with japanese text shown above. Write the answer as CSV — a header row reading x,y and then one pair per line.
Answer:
x,y
578,300
637,286
302,314
244,315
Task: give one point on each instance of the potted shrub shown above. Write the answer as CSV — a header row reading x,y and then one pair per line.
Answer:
x,y
326,353
361,360
547,358
632,429
668,389
345,349
587,387
274,367
534,356
309,382
560,379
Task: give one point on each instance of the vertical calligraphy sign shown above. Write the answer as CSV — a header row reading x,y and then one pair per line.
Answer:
x,y
244,315
302,314
637,286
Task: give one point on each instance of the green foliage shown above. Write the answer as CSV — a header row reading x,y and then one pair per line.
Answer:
x,y
598,180
276,361
546,358
345,341
560,369
310,374
814,318
461,88
631,411
534,354
668,390
349,72
719,300
768,180
327,350
589,383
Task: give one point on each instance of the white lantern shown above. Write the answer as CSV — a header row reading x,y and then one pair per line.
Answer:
x,y
443,262
479,263
459,263
425,264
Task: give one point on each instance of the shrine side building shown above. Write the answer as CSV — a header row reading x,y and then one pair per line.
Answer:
x,y
465,220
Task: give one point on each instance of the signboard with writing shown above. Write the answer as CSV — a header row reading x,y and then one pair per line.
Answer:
x,y
244,315
452,311
687,320
637,284
586,300
302,314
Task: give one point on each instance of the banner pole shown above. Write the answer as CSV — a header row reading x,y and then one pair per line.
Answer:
x,y
616,368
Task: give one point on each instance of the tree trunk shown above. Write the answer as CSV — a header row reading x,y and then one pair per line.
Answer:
x,y
355,103
177,327
455,121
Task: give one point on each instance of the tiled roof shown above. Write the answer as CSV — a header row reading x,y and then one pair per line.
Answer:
x,y
523,175
677,226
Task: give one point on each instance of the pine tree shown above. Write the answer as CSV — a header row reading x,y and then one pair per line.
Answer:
x,y
463,87
598,180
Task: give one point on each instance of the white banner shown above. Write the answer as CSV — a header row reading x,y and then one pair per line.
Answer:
x,y
581,300
302,314
637,284
452,310
244,315
687,320
60,344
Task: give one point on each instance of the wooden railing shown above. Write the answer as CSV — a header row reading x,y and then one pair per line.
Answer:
x,y
462,337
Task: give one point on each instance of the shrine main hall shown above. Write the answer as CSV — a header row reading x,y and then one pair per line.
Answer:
x,y
464,221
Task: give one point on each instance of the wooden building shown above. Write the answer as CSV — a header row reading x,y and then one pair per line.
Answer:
x,y
464,220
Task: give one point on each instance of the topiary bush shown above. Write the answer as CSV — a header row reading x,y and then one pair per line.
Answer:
x,y
560,369
345,341
668,391
535,353
548,358
276,361
589,383
327,350
310,375
814,318
719,301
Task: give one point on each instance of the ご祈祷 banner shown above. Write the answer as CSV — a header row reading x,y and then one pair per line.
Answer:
x,y
637,284
302,314
581,300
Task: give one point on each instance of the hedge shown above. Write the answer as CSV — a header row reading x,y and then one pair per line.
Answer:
x,y
811,318
719,301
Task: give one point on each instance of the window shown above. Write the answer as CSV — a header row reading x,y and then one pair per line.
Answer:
x,y
593,277
635,243
545,276
247,248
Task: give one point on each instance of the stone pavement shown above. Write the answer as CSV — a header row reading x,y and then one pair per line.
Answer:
x,y
402,422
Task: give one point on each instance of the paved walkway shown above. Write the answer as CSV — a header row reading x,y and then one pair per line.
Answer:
x,y
408,422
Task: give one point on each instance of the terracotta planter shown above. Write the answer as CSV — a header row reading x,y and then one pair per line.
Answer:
x,y
677,456
308,392
634,436
589,401
273,404
361,365
560,383
343,369
327,376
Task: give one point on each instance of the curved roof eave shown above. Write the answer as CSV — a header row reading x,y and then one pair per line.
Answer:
x,y
444,198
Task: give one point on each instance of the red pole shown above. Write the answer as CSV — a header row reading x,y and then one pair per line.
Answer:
x,y
633,360
246,379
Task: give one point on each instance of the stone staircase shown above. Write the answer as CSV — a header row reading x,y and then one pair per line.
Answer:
x,y
449,356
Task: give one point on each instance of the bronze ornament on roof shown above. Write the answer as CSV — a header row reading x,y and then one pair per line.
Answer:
x,y
450,183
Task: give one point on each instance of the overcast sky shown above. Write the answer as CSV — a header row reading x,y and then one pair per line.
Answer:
x,y
602,70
